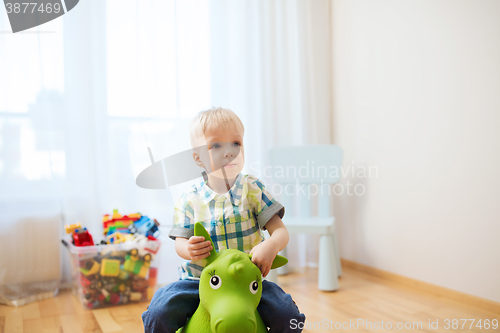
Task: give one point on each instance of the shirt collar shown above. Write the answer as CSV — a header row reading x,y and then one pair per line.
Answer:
x,y
207,194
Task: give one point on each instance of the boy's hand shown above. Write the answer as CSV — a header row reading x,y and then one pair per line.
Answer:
x,y
263,256
198,248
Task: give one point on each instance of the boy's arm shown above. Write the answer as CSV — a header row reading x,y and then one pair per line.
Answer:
x,y
264,253
187,246
279,233
194,248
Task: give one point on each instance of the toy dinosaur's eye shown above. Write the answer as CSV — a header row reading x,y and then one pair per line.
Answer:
x,y
215,282
254,286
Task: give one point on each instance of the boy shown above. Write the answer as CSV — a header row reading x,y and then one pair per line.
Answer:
x,y
233,207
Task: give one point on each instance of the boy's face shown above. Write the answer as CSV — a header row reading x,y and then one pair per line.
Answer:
x,y
224,152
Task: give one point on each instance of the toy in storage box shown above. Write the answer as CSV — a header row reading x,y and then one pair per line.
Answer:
x,y
106,275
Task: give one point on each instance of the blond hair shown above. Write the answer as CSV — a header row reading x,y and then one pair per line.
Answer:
x,y
211,120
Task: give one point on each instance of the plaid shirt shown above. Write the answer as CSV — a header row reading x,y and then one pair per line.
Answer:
x,y
233,219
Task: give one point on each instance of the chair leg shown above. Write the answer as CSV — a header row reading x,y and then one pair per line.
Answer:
x,y
337,254
327,268
283,270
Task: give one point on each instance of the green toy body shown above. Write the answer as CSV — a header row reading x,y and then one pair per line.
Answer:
x,y
230,291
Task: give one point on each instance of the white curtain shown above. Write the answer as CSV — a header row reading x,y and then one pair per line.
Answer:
x,y
82,99
32,161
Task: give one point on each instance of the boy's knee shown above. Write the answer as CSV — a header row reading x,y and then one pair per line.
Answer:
x,y
288,310
287,318
278,310
171,306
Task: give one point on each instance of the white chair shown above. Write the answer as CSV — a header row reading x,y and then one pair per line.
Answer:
x,y
307,170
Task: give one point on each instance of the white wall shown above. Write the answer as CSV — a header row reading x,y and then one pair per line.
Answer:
x,y
417,94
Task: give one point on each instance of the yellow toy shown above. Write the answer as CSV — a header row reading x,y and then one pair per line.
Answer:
x,y
110,267
70,228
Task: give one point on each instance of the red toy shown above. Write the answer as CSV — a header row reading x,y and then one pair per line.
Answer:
x,y
81,237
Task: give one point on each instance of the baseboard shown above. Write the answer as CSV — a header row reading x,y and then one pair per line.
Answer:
x,y
426,287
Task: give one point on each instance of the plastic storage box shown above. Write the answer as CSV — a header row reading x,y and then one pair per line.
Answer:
x,y
107,275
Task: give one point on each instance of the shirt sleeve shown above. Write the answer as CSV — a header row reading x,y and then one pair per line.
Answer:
x,y
183,219
262,202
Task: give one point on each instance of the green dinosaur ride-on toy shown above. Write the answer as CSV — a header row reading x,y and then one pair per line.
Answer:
x,y
230,291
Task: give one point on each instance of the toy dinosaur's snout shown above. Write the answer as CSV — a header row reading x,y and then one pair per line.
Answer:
x,y
228,324
233,294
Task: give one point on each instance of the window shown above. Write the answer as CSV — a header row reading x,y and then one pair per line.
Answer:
x,y
31,100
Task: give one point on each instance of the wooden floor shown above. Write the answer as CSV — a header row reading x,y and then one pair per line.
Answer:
x,y
361,297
